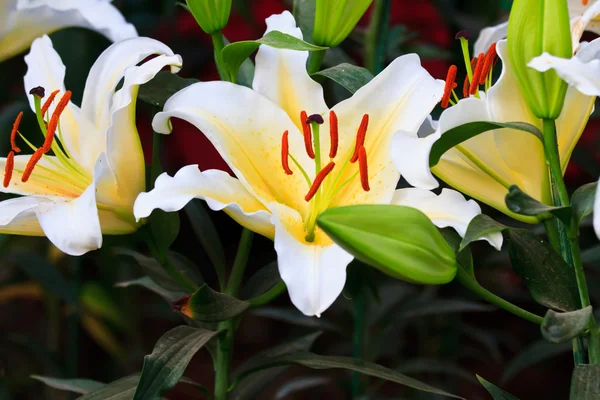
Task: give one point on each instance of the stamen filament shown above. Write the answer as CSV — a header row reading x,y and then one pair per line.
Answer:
x,y
307,135
302,171
363,169
360,137
13,134
8,168
333,134
285,150
318,180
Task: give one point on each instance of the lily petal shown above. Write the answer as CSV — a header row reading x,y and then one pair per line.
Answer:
x,y
314,274
30,19
489,36
124,148
449,209
17,216
597,211
246,129
583,19
217,188
398,99
73,226
281,74
585,76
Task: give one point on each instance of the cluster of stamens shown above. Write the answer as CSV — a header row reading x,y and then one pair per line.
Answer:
x,y
48,128
310,131
479,72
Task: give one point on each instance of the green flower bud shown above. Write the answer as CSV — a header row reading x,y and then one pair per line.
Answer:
x,y
535,27
211,15
335,19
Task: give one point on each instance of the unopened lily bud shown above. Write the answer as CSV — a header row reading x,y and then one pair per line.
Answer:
x,y
335,19
211,15
536,27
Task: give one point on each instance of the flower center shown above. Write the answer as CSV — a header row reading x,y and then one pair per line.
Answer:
x,y
479,72
327,183
65,170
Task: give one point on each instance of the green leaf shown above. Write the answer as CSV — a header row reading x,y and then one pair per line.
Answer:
x,y
463,256
234,54
534,354
121,389
294,317
209,306
349,76
81,386
260,283
46,274
400,241
171,355
165,228
550,280
520,202
148,283
585,382
316,361
207,235
562,327
495,391
304,14
459,134
164,85
480,226
583,201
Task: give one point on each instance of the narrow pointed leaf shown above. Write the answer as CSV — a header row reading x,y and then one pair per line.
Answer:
x,y
459,134
81,386
562,327
520,202
263,280
209,306
304,14
495,391
400,241
316,361
349,76
164,85
148,283
171,355
583,201
585,382
234,54
480,226
550,280
122,389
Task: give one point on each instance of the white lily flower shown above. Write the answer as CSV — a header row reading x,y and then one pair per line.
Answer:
x,y
258,130
89,186
21,21
484,167
584,15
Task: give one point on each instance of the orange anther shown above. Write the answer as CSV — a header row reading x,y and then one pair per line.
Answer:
x,y
450,85
477,74
360,136
48,101
333,134
31,164
8,168
318,180
54,120
363,169
584,2
490,57
285,152
13,134
307,134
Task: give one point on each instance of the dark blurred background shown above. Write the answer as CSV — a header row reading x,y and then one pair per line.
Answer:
x,y
63,317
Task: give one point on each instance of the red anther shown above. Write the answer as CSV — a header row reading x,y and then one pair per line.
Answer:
x,y
477,74
360,136
307,135
333,134
8,168
363,168
13,134
31,164
318,180
285,152
450,85
584,2
48,101
52,125
466,87
490,58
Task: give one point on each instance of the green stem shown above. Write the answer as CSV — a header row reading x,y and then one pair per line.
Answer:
x,y
358,339
315,60
470,283
218,44
225,339
376,38
268,296
552,233
569,234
